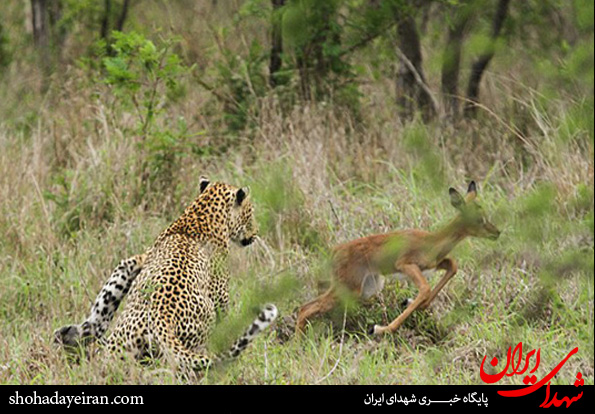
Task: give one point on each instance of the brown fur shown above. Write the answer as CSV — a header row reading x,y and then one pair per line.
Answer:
x,y
359,264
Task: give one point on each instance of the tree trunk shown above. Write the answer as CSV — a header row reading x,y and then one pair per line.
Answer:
x,y
276,43
451,62
410,94
123,15
107,11
41,24
45,15
482,62
107,14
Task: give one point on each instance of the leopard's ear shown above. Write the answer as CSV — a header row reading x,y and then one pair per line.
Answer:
x,y
242,194
204,183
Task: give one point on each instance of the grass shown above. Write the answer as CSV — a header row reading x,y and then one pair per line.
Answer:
x,y
75,202
534,285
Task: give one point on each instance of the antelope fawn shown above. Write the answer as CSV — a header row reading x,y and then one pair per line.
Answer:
x,y
358,265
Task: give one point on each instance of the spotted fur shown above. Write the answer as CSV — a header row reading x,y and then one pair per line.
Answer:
x,y
182,284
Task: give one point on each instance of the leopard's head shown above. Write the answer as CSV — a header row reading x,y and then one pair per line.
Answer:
x,y
242,224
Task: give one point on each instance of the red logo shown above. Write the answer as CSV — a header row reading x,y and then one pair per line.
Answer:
x,y
514,361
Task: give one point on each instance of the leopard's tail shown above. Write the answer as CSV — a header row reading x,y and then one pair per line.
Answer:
x,y
105,306
266,316
196,360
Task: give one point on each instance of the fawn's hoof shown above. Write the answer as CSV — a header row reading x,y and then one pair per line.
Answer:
x,y
406,302
373,330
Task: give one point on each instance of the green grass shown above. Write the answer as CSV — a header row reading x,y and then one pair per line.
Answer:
x,y
535,285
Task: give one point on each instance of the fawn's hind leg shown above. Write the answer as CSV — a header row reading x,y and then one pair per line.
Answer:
x,y
320,305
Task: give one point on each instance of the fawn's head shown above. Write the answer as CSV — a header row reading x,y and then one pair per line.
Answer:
x,y
471,214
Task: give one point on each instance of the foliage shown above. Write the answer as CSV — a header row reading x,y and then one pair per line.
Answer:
x,y
142,74
145,76
315,65
244,81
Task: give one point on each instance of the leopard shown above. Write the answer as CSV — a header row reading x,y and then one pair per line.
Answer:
x,y
177,289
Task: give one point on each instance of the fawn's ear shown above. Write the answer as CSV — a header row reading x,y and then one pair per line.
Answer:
x,y
456,199
242,194
471,192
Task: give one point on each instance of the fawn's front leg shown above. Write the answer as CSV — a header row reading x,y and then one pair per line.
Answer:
x,y
414,273
451,269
